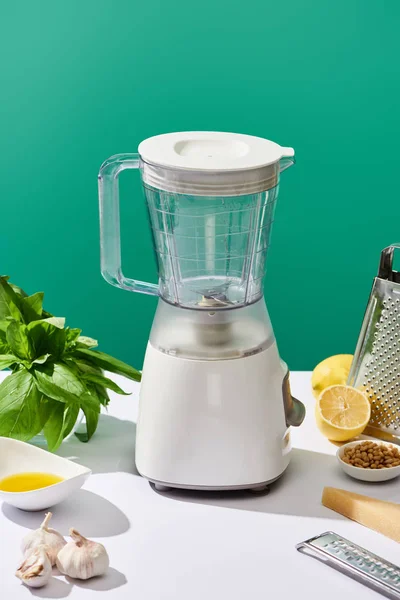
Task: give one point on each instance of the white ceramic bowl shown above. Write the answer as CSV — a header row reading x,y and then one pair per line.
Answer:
x,y
367,474
20,457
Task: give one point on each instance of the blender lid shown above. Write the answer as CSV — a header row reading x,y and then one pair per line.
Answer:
x,y
211,163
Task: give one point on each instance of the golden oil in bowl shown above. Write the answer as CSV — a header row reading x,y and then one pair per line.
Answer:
x,y
27,482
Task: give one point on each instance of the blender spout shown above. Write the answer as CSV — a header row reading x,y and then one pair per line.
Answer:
x,y
287,159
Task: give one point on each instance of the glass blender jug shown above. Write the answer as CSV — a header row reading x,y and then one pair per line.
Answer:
x,y
210,199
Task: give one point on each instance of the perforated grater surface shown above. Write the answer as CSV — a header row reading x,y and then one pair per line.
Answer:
x,y
354,561
376,363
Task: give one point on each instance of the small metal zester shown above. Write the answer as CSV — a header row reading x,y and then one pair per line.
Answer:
x,y
376,363
355,562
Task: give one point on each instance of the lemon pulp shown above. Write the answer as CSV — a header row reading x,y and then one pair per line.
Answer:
x,y
342,412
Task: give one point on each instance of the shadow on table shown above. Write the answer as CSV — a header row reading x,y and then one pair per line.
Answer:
x,y
110,581
56,588
112,448
298,492
87,512
61,588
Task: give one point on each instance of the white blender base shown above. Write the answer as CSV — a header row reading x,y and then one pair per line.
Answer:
x,y
212,425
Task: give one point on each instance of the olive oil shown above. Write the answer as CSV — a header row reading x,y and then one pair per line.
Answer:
x,y
26,482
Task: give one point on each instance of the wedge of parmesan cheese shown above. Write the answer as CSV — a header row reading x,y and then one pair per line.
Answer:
x,y
378,515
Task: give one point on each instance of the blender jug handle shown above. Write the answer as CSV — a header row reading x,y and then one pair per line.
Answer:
x,y
110,235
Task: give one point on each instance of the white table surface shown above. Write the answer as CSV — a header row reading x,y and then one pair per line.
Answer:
x,y
199,546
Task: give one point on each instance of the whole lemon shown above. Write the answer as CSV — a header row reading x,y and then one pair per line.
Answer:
x,y
331,371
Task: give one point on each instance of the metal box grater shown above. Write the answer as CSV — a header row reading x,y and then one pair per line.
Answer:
x,y
376,363
356,562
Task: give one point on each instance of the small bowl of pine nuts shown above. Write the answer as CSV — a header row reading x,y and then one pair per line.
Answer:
x,y
370,460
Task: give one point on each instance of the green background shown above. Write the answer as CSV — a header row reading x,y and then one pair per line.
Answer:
x,y
82,80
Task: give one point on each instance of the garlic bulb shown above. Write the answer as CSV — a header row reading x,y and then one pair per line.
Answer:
x,y
35,571
82,558
53,540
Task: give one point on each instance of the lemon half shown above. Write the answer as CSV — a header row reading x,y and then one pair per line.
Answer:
x,y
342,412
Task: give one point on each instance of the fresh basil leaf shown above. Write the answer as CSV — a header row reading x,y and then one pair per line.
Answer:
x,y
32,306
92,420
91,400
105,382
19,291
46,408
19,342
81,367
82,436
4,347
4,323
37,361
70,418
8,301
103,395
56,321
99,392
53,427
73,366
60,423
46,314
85,367
46,338
90,405
41,360
19,406
6,360
59,382
71,335
107,362
86,342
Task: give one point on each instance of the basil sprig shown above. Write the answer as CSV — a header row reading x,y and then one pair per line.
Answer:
x,y
55,372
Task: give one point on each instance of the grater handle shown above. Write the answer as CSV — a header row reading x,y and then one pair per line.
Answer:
x,y
386,264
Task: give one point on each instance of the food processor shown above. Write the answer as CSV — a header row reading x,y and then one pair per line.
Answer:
x,y
215,404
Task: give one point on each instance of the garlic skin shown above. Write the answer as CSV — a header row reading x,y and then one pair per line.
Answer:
x,y
35,571
53,540
82,558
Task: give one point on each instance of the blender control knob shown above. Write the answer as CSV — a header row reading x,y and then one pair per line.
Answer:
x,y
295,410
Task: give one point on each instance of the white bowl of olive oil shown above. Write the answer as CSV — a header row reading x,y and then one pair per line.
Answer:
x,y
34,479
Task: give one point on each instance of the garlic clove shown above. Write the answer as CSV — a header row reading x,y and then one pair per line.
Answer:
x,y
52,539
81,558
35,570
